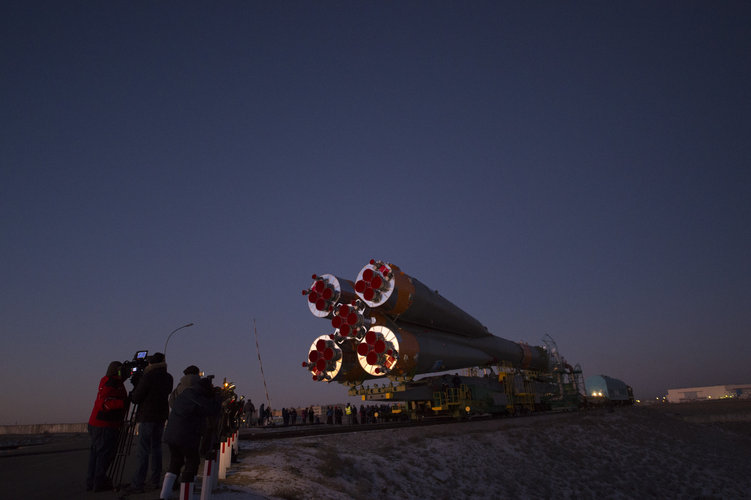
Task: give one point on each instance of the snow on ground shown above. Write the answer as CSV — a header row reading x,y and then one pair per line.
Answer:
x,y
628,453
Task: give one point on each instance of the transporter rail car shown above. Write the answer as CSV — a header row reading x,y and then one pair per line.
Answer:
x,y
388,325
499,391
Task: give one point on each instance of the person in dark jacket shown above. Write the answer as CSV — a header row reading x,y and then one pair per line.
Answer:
x,y
105,422
151,394
186,426
191,376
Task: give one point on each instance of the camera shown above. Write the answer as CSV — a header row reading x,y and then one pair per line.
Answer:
x,y
134,368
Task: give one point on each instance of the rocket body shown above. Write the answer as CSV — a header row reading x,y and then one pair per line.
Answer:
x,y
397,326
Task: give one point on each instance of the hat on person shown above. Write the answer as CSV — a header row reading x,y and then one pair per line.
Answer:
x,y
157,357
191,370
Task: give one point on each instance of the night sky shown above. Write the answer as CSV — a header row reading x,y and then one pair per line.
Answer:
x,y
581,170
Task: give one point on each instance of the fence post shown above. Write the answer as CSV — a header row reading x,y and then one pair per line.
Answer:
x,y
186,491
222,470
207,479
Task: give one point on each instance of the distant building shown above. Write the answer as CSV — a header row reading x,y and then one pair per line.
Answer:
x,y
709,392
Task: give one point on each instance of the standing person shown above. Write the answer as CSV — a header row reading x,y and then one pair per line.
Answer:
x,y
191,376
185,427
329,415
104,426
338,414
151,394
250,411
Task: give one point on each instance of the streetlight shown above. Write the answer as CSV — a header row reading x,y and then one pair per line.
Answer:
x,y
170,335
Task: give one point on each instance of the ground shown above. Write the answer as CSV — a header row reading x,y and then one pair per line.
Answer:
x,y
665,451
626,453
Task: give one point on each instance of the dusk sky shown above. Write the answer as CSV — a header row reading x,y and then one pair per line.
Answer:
x,y
581,170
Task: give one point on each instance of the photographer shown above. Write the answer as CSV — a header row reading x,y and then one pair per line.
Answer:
x,y
186,426
191,376
151,393
104,425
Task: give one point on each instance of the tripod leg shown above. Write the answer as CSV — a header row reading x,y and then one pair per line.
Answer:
x,y
124,443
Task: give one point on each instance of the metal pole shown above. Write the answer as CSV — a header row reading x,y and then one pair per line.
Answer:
x,y
170,335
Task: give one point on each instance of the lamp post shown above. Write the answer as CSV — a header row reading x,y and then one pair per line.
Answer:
x,y
170,335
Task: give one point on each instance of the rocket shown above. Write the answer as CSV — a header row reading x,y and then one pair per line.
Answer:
x,y
387,323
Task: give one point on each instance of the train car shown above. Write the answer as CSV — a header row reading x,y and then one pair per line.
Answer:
x,y
604,390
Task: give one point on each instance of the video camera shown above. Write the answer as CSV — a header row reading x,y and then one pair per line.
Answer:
x,y
135,367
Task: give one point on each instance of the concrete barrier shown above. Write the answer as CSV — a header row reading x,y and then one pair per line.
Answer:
x,y
43,428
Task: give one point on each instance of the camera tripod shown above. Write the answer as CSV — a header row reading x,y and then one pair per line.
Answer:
x,y
124,444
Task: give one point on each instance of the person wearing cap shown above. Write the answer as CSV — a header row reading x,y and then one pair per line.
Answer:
x,y
191,376
151,395
104,425
186,426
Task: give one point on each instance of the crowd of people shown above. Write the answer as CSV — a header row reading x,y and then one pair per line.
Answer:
x,y
332,414
197,416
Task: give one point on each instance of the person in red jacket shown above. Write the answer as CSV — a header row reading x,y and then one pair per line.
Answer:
x,y
105,422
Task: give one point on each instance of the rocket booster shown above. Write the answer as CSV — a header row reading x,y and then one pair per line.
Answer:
x,y
331,361
395,348
386,288
326,291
